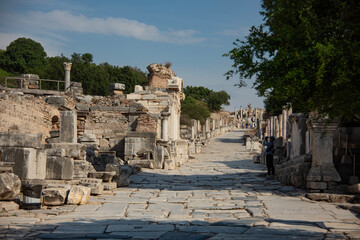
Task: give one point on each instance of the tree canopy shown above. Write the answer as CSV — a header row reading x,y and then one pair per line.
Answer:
x,y
27,56
306,53
214,100
199,102
23,55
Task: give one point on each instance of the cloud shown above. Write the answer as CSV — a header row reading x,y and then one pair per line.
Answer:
x,y
60,21
50,45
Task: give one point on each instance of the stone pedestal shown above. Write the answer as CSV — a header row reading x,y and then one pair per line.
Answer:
x,y
322,173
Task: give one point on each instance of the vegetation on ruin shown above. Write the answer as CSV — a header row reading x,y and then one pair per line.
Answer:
x,y
306,53
25,55
199,102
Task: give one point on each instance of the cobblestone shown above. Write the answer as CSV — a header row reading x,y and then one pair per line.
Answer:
x,y
220,194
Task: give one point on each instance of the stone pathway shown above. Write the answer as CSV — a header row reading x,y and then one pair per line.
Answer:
x,y
220,194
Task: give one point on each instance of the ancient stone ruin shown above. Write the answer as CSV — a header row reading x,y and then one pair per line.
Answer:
x,y
60,147
314,153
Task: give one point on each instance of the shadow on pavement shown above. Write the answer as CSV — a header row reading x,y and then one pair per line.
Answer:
x,y
163,229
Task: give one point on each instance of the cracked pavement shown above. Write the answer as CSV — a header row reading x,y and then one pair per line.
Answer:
x,y
220,194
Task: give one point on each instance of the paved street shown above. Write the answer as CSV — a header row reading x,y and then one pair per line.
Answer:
x,y
220,194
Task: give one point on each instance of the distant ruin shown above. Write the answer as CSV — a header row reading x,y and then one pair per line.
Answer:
x,y
56,140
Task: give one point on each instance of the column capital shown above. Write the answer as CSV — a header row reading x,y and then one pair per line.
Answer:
x,y
67,66
322,126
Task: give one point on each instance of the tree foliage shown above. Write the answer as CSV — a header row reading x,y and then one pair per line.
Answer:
x,y
23,55
192,108
27,56
306,53
214,100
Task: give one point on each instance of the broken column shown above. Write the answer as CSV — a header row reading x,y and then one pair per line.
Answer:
x,y
322,174
67,68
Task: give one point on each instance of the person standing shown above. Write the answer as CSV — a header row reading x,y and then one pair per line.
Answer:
x,y
270,156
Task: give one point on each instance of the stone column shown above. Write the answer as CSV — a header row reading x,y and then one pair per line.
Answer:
x,y
193,129
276,127
322,173
207,128
284,120
268,127
68,127
67,68
241,112
164,127
281,130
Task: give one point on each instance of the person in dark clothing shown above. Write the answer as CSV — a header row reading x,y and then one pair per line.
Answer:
x,y
270,156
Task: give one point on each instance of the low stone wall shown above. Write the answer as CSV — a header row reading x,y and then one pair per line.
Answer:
x,y
26,113
294,171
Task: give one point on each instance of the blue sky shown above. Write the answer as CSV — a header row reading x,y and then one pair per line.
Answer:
x,y
192,35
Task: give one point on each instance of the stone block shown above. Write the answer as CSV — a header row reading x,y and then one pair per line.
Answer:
x,y
68,127
28,140
82,107
59,168
133,96
96,185
169,164
55,196
30,163
109,185
354,188
138,89
78,195
316,185
105,176
122,175
117,86
10,185
7,206
55,100
159,157
57,152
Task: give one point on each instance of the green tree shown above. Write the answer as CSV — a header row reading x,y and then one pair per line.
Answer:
x,y
214,100
24,55
306,53
192,108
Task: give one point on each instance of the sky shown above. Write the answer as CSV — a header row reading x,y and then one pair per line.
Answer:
x,y
191,34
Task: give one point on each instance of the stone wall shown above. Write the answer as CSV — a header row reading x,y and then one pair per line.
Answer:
x,y
30,114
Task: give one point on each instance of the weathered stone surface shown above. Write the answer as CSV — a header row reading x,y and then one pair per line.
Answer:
x,y
159,157
59,168
78,195
9,186
117,86
169,164
95,184
105,176
68,127
55,100
11,139
109,185
55,196
32,188
328,197
7,206
30,163
143,163
123,173
354,188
